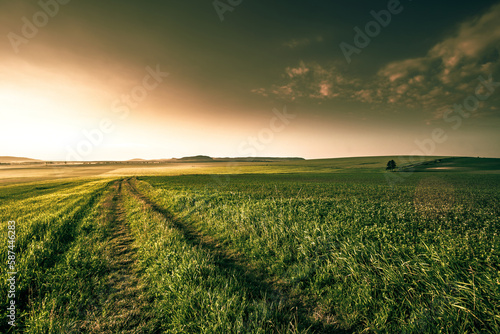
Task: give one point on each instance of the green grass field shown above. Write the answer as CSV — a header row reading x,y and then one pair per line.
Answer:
x,y
326,246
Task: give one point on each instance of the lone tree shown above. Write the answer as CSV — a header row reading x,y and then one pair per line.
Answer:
x,y
391,165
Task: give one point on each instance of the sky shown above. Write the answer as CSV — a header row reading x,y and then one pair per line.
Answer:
x,y
116,80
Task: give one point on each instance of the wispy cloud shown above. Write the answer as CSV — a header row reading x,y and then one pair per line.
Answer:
x,y
311,81
447,72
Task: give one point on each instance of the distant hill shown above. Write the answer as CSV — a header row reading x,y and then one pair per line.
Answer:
x,y
207,159
8,159
458,164
197,158
204,158
259,159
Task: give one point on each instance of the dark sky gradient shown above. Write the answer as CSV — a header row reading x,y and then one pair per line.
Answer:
x,y
227,77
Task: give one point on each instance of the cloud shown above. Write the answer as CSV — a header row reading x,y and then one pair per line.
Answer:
x,y
297,71
449,69
401,69
311,80
324,88
445,75
474,37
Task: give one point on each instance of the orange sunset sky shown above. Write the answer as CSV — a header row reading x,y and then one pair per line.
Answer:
x,y
66,67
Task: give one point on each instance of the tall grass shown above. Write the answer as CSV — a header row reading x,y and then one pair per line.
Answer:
x,y
418,257
49,228
324,252
196,290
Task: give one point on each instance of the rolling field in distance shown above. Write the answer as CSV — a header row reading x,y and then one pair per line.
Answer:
x,y
322,246
42,171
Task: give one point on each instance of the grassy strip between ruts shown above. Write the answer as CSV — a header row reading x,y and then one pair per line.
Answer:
x,y
197,289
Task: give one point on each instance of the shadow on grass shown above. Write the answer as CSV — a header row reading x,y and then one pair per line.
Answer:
x,y
253,278
34,277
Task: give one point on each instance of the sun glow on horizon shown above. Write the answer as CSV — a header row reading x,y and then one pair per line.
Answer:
x,y
89,67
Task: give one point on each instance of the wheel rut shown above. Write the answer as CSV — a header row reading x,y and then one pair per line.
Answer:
x,y
124,308
259,282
